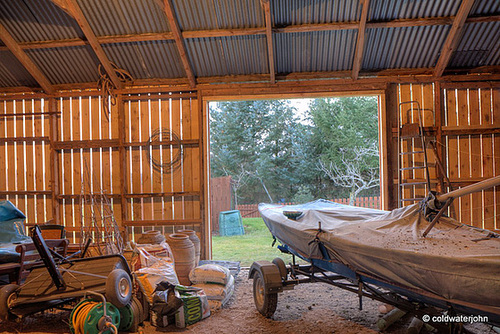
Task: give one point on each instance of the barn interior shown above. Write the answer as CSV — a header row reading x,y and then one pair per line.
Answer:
x,y
105,103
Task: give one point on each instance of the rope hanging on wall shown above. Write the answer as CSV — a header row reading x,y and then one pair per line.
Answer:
x,y
105,85
169,156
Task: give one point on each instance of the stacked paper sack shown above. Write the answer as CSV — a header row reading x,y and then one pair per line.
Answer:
x,y
216,281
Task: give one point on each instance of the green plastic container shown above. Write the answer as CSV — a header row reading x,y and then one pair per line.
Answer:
x,y
230,223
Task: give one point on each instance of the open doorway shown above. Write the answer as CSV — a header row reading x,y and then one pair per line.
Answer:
x,y
288,151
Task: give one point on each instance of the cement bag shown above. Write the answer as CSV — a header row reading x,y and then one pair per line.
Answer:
x,y
158,269
195,306
218,295
210,273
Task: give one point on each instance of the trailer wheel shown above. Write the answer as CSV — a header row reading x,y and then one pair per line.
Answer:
x,y
7,296
282,267
264,302
119,288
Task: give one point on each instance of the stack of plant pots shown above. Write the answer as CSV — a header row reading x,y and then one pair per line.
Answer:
x,y
196,242
184,256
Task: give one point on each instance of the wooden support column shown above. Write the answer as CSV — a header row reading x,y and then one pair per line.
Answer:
x,y
26,61
54,161
360,44
453,37
123,157
179,41
72,7
389,189
205,229
269,37
439,117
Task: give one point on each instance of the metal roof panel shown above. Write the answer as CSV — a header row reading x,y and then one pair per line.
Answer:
x,y
383,10
66,65
228,55
37,20
145,60
314,51
12,72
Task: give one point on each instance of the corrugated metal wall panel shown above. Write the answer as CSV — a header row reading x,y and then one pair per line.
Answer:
x,y
123,17
157,59
314,51
220,14
479,46
37,20
12,73
294,12
397,9
228,55
412,47
66,65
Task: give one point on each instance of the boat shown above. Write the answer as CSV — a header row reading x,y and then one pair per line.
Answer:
x,y
416,250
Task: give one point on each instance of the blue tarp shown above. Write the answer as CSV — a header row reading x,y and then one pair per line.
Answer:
x,y
11,223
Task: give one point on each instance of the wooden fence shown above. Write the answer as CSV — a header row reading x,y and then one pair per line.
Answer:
x,y
251,210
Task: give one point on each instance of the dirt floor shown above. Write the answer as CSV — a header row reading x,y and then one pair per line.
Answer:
x,y
309,308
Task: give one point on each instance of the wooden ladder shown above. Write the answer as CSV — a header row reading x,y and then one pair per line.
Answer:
x,y
411,145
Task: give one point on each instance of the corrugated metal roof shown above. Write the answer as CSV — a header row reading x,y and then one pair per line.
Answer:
x,y
12,73
122,17
480,45
66,65
397,9
37,20
411,47
314,51
218,14
228,55
145,60
485,7
295,12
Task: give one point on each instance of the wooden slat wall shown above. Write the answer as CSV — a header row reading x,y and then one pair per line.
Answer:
x,y
88,155
474,155
24,158
468,136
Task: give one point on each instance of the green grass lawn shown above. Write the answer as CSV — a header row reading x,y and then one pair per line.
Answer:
x,y
255,245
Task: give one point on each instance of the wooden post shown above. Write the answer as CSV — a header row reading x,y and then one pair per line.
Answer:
x,y
438,116
206,231
54,161
389,111
123,156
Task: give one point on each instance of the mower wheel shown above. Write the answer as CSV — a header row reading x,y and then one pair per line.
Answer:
x,y
7,296
119,288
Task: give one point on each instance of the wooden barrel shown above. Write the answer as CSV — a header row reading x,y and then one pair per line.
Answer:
x,y
196,242
184,256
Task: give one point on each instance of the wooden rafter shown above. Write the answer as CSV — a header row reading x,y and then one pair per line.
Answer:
x,y
179,41
74,9
269,38
453,37
168,36
360,43
26,61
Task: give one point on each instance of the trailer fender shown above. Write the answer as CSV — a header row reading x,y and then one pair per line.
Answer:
x,y
270,274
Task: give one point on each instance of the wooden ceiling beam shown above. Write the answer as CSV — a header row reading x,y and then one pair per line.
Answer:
x,y
360,43
76,12
269,37
26,61
167,36
453,38
168,8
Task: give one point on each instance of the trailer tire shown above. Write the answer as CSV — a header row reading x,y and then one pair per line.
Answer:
x,y
7,296
119,288
282,267
265,303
